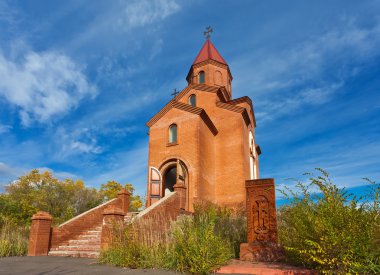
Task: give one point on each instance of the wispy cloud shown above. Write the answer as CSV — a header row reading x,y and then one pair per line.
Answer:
x,y
76,142
126,167
286,104
5,128
311,72
143,12
43,85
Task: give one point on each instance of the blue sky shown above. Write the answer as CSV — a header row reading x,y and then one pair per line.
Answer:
x,y
79,80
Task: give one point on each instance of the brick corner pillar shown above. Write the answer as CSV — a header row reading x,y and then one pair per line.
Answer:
x,y
112,216
181,189
261,222
39,237
124,197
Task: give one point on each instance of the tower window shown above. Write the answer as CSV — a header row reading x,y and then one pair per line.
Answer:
x,y
193,100
173,133
201,77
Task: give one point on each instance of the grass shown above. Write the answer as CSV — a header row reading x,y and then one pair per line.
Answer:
x,y
13,239
197,244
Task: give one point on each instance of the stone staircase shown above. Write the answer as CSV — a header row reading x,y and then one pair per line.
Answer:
x,y
85,245
129,217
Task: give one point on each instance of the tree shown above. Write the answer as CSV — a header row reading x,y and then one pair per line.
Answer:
x,y
41,191
110,189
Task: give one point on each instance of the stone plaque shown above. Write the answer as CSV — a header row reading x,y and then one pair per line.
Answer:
x,y
261,221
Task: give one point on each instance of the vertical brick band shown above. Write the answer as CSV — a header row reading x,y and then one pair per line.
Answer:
x,y
181,189
39,238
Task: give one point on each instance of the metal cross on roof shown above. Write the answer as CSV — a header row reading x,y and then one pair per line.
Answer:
x,y
208,32
175,93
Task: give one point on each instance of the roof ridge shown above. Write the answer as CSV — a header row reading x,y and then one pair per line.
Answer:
x,y
209,51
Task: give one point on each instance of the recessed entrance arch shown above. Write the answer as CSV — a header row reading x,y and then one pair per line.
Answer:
x,y
170,179
174,171
163,179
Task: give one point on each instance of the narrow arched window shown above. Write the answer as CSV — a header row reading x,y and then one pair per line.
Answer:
x,y
201,77
173,133
193,100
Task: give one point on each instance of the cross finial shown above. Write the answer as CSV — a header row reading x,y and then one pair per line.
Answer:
x,y
208,32
175,93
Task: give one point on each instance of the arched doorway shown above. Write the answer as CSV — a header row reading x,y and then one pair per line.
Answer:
x,y
174,171
170,179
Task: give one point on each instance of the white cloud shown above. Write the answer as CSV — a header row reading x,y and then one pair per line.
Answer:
x,y
5,128
43,85
143,12
309,73
289,103
77,141
129,167
7,14
6,170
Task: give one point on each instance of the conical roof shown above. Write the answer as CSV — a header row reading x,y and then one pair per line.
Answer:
x,y
209,51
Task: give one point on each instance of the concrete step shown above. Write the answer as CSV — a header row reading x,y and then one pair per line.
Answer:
x,y
93,248
83,242
77,248
88,236
80,254
93,232
130,216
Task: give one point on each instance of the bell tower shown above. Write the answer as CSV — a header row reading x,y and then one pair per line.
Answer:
x,y
210,68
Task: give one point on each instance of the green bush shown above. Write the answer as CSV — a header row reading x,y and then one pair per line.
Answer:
x,y
197,244
196,248
13,239
326,228
130,248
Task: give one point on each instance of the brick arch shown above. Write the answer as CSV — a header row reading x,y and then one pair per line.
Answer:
x,y
218,78
169,163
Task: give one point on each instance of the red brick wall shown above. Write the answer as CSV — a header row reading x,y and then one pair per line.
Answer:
x,y
159,216
79,224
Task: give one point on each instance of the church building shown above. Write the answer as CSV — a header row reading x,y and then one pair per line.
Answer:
x,y
204,140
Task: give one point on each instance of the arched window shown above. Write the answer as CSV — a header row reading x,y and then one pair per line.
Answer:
x,y
218,78
173,133
193,100
201,77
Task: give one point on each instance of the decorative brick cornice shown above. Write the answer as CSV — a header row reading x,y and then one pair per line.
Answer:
x,y
208,61
236,109
187,108
244,99
221,92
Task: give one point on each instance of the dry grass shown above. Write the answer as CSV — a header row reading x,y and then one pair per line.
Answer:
x,y
13,239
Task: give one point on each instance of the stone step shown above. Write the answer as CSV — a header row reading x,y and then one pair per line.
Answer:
x,y
93,248
93,232
88,236
130,216
83,242
80,254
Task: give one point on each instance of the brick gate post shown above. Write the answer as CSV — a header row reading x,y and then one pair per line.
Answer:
x,y
112,216
39,237
124,197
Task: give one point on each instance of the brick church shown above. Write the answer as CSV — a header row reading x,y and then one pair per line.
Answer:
x,y
204,140
201,148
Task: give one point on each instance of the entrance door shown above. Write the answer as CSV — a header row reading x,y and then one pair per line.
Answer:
x,y
170,179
